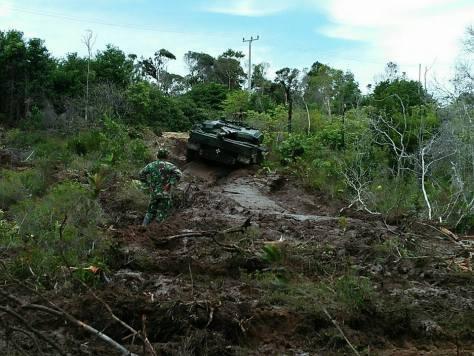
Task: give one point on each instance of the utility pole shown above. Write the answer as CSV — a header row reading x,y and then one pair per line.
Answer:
x,y
419,79
250,58
426,72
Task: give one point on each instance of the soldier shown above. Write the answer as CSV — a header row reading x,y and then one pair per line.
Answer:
x,y
159,176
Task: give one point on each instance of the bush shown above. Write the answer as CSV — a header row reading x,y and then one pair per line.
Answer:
x,y
40,223
132,196
237,101
53,150
396,197
41,146
24,139
85,142
355,293
149,106
294,146
110,145
8,232
139,152
16,186
208,96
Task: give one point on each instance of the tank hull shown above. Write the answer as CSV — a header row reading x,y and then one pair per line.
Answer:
x,y
225,143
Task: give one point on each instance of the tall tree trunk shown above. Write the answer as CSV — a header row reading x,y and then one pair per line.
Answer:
x,y
308,116
87,88
290,112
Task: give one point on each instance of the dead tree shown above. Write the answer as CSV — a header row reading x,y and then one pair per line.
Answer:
x,y
89,40
391,134
358,178
427,155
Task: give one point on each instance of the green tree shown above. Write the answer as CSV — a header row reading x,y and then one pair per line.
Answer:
x,y
113,66
155,67
236,104
266,94
208,97
201,67
25,75
68,80
330,89
259,77
173,84
288,79
397,96
229,70
150,107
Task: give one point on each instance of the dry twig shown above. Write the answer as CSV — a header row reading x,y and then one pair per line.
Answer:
x,y
334,322
212,234
28,326
57,311
143,338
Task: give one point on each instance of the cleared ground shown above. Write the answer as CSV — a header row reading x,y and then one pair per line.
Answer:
x,y
253,264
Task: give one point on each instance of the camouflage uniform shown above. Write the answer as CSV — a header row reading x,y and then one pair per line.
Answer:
x,y
159,176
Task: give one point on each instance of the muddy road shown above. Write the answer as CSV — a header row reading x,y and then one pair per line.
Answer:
x,y
299,279
253,264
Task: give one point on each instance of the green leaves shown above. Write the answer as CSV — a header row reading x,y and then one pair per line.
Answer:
x,y
25,75
271,253
8,232
150,107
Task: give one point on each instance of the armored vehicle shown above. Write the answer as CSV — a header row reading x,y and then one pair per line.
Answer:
x,y
226,142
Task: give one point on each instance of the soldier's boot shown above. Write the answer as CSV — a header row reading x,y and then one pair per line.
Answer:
x,y
147,220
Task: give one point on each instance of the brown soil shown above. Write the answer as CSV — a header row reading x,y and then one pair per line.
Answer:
x,y
223,297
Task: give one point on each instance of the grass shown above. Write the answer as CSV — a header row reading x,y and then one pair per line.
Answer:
x,y
392,248
348,294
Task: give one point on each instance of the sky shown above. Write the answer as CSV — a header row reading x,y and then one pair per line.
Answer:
x,y
356,35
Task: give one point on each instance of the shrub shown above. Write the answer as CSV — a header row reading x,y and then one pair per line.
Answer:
x,y
53,151
355,293
16,186
271,254
149,106
34,121
22,139
85,142
396,197
237,101
41,222
294,146
112,144
132,196
8,232
139,152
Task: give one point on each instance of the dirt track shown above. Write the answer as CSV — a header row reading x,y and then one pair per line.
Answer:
x,y
223,297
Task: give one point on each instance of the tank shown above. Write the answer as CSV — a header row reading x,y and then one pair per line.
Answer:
x,y
226,142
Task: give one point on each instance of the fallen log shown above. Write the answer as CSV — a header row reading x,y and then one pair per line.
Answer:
x,y
212,234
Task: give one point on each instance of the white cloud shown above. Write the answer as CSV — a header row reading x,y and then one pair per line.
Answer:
x,y
405,31
5,9
253,8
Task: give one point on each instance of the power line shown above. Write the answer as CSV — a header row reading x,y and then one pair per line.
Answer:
x,y
153,29
328,55
111,24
